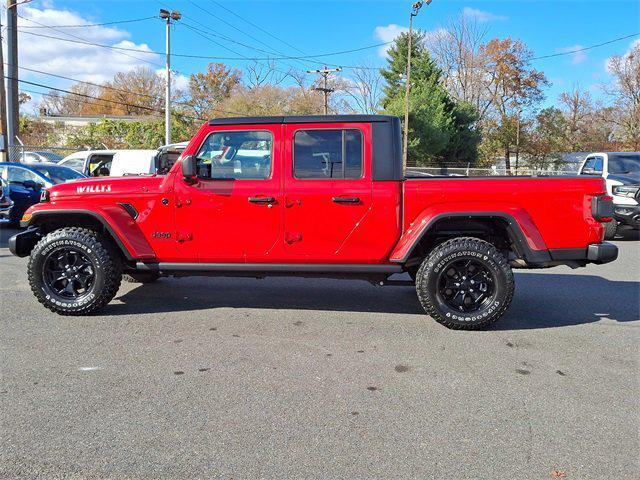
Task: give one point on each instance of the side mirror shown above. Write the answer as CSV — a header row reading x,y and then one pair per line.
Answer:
x,y
30,184
189,168
590,171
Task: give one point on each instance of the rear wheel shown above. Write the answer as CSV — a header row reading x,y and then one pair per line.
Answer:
x,y
74,271
465,284
610,230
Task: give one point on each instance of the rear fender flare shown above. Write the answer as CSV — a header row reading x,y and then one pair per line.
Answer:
x,y
528,241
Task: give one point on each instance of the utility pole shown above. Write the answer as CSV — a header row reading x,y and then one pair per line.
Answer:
x,y
3,105
13,105
405,154
168,16
325,89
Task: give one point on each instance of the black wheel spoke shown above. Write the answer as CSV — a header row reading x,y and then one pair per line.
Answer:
x,y
466,285
69,273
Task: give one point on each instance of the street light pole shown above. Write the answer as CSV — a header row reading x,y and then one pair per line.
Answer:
x,y
414,11
168,16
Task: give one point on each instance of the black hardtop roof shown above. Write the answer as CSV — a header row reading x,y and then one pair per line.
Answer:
x,y
302,119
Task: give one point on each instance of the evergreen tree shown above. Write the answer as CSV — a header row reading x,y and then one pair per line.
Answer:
x,y
440,131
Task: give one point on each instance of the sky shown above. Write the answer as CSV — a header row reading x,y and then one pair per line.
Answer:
x,y
236,29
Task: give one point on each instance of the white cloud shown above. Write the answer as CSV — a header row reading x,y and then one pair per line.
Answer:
x,y
577,57
178,81
480,15
388,34
72,58
392,31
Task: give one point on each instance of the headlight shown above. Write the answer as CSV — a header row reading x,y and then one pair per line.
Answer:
x,y
625,191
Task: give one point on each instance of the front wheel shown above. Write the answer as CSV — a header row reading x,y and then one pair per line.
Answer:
x,y
465,284
74,271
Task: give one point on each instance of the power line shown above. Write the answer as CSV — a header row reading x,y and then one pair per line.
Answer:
x,y
117,22
82,40
208,57
115,102
258,27
204,35
586,48
239,30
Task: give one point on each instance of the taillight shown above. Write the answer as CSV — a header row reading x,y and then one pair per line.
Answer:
x,y
602,208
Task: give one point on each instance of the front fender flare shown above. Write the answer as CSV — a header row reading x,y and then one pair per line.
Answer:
x,y
115,220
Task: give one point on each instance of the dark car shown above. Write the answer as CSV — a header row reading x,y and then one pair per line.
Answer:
x,y
26,181
5,202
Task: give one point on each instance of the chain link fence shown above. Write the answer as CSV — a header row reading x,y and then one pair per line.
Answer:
x,y
30,154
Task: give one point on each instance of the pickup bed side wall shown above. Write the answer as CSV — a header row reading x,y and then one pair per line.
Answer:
x,y
550,213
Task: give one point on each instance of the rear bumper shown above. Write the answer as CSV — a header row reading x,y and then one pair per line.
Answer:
x,y
595,253
22,243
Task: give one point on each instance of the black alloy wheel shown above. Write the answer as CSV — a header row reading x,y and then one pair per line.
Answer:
x,y
465,285
68,273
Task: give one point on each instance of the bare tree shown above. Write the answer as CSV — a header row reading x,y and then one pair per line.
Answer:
x,y
458,50
364,88
259,74
578,111
625,91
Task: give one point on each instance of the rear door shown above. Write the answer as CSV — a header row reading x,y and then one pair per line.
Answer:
x,y
327,190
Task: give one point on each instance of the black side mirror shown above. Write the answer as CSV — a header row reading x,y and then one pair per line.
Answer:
x,y
189,168
30,184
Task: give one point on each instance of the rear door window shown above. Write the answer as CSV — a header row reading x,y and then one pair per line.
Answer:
x,y
327,154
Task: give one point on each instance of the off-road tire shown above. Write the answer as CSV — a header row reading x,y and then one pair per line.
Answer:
x,y
146,277
610,230
105,260
455,250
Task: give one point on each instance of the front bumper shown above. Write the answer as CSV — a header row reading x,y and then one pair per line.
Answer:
x,y
627,215
22,243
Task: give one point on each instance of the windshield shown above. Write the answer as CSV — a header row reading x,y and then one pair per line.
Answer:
x,y
57,174
624,163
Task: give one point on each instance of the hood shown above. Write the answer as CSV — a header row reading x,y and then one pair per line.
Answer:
x,y
632,178
107,186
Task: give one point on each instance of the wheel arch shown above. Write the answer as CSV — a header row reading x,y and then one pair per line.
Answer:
x,y
501,226
49,220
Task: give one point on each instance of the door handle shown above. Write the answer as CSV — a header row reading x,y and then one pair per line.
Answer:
x,y
262,199
346,200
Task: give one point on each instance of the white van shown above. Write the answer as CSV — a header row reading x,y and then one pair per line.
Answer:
x,y
133,162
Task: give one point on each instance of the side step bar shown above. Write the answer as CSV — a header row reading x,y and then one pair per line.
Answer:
x,y
293,268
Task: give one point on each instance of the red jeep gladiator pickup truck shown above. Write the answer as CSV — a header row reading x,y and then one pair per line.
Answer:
x,y
311,196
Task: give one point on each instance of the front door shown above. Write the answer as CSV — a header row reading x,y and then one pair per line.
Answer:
x,y
232,214
328,191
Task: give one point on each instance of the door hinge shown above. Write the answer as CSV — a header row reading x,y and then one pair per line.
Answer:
x,y
184,237
292,237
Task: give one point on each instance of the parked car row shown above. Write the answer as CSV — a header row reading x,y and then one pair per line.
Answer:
x,y
24,182
118,163
23,185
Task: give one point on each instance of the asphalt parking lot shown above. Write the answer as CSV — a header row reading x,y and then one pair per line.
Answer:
x,y
305,378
